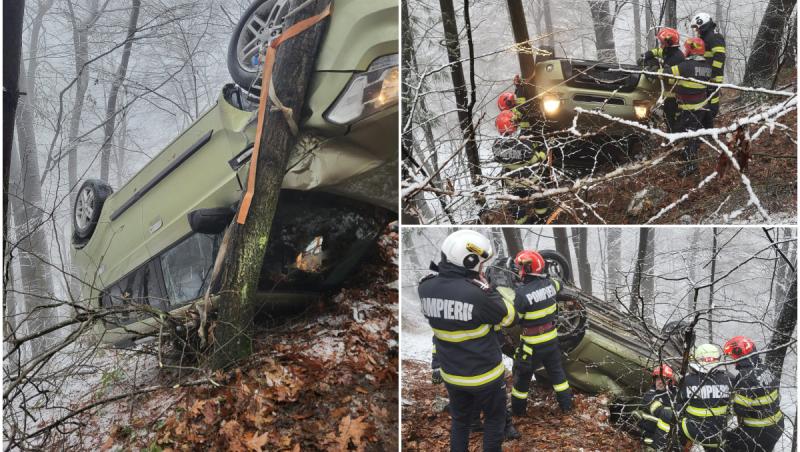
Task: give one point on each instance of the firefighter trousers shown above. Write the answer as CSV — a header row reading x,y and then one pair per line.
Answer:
x,y
691,120
671,114
490,399
753,439
527,359
710,116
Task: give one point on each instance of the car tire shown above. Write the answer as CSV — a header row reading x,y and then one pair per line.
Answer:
x,y
557,265
241,66
88,204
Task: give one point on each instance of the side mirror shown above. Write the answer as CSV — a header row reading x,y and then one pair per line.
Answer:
x,y
211,221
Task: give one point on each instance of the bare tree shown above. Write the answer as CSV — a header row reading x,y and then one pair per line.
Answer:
x,y
562,243
763,61
613,261
582,257
637,27
119,77
603,30
464,106
640,304
13,15
670,11
713,277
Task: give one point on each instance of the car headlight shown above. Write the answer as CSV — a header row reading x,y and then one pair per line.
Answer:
x,y
367,92
550,104
641,108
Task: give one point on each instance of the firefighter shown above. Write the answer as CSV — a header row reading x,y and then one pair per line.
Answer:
x,y
655,430
668,54
518,157
756,400
462,310
705,29
691,97
537,309
704,399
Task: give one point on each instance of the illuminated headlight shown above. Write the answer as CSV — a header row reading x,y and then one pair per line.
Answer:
x,y
367,92
641,109
550,104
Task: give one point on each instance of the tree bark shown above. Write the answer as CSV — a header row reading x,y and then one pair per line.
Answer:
x,y
548,24
80,45
713,278
244,253
603,31
513,241
119,77
647,276
763,61
35,276
562,243
460,92
637,301
13,15
783,331
671,14
582,256
613,260
650,35
637,28
519,27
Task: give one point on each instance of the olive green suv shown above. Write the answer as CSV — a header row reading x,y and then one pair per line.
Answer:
x,y
606,349
152,243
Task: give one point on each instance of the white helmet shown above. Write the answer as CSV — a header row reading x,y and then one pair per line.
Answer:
x,y
705,357
467,249
702,21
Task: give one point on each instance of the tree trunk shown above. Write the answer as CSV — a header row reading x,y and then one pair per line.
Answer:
x,y
713,278
650,34
35,277
783,331
783,273
647,276
637,301
13,15
603,31
460,91
637,28
407,141
513,241
519,27
548,24
80,45
582,257
247,243
670,14
763,61
613,260
119,77
562,244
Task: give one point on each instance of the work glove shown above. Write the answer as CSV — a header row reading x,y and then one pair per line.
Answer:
x,y
640,61
436,377
637,416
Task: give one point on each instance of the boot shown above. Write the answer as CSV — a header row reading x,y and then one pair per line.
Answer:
x,y
518,406
510,433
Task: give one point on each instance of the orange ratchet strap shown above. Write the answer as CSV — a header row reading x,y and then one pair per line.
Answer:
x,y
269,60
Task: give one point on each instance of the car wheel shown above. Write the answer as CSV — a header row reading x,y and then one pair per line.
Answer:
x,y
571,322
556,265
88,204
262,22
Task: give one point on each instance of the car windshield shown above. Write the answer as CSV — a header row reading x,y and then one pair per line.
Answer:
x,y
187,267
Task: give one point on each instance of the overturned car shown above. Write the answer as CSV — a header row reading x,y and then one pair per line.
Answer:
x,y
153,242
606,350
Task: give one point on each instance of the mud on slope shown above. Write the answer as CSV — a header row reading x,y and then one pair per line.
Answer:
x,y
771,170
426,423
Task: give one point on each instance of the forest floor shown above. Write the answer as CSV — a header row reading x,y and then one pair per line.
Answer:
x,y
323,379
725,199
426,423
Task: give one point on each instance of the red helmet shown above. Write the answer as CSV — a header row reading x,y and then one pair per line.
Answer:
x,y
506,101
505,122
529,262
694,46
668,37
739,346
664,371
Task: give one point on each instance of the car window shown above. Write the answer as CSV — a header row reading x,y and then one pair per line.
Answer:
x,y
187,267
130,290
